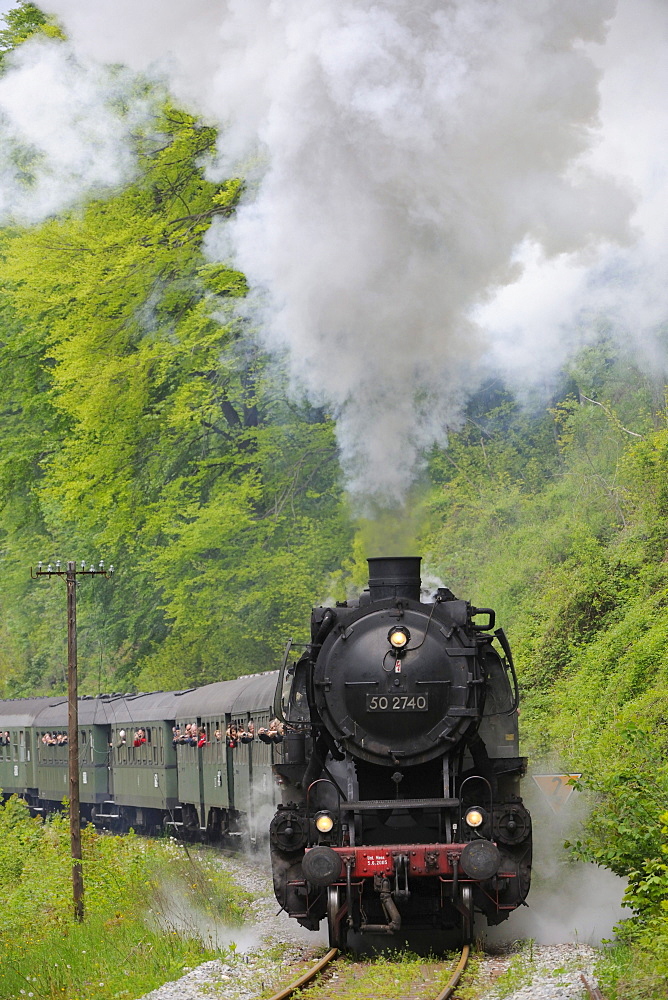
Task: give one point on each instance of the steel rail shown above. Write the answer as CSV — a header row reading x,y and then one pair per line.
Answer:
x,y
593,991
307,976
451,986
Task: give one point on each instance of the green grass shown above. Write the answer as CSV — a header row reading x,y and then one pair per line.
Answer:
x,y
626,973
152,910
96,960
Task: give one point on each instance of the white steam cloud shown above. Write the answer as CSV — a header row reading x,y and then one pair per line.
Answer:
x,y
568,900
62,135
435,187
533,323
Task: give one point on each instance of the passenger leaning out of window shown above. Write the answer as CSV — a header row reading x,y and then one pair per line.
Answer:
x,y
247,735
140,737
201,737
274,734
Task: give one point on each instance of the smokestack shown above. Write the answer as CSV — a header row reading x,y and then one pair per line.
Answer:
x,y
394,576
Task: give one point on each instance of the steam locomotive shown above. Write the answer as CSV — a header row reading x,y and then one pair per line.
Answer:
x,y
400,782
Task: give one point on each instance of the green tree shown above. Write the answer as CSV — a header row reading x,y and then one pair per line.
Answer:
x,y
147,428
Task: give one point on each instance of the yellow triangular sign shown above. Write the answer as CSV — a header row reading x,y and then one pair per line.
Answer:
x,y
556,788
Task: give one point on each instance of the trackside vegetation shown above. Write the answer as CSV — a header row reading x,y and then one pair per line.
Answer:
x,y
561,524
130,940
142,423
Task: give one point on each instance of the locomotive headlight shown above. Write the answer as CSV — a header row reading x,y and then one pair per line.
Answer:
x,y
474,817
398,637
324,822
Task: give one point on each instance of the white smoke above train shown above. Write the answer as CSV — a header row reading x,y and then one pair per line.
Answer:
x,y
435,189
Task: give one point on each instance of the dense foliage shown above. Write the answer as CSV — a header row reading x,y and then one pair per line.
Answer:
x,y
20,23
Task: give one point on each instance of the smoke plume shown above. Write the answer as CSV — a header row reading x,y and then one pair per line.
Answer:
x,y
434,188
568,900
557,303
62,132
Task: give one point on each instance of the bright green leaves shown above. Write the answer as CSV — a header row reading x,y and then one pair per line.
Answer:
x,y
220,280
21,23
147,428
646,473
106,294
242,570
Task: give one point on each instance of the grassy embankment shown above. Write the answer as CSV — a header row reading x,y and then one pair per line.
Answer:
x,y
129,942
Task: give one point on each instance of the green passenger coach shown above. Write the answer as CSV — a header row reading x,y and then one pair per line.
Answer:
x,y
133,769
17,751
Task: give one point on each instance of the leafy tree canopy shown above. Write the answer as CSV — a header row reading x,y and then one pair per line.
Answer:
x,y
21,23
146,427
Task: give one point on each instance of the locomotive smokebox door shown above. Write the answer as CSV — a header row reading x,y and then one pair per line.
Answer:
x,y
392,680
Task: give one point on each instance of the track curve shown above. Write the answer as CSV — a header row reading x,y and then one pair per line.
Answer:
x,y
307,977
457,974
310,975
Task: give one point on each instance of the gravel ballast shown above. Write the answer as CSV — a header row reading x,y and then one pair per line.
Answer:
x,y
271,942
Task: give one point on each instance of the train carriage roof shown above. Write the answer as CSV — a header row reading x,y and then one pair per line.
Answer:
x,y
235,697
243,694
108,710
20,713
257,694
157,706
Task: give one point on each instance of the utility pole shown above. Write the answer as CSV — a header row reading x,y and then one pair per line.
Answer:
x,y
70,575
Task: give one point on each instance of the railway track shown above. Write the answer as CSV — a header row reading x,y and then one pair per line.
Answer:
x,y
308,977
329,988
325,963
593,991
451,985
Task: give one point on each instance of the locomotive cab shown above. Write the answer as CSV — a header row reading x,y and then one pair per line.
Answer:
x,y
400,780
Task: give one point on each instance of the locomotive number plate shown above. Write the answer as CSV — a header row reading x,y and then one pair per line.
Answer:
x,y
397,703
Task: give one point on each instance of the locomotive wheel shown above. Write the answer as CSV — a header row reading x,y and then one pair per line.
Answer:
x,y
466,909
336,918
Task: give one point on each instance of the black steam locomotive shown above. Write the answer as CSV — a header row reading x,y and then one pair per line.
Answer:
x,y
400,779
